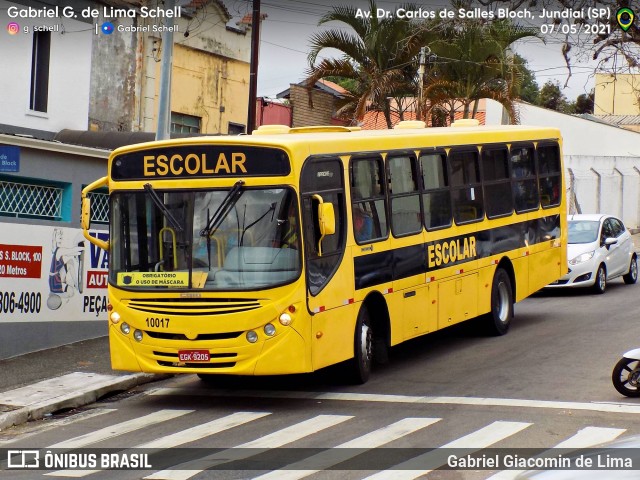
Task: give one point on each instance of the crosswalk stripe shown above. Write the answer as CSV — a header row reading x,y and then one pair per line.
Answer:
x,y
179,438
120,429
585,438
414,399
273,440
477,440
340,453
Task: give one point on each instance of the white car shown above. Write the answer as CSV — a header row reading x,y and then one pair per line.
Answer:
x,y
600,249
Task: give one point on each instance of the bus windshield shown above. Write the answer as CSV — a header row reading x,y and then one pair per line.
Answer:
x,y
222,239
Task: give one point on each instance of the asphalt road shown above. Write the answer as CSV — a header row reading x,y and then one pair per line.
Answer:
x,y
546,383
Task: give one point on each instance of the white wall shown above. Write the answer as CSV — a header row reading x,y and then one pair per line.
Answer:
x,y
69,73
602,162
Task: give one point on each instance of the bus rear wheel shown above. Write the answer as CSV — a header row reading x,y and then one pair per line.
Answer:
x,y
498,320
360,365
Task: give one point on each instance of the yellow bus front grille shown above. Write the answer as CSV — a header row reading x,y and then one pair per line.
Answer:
x,y
193,306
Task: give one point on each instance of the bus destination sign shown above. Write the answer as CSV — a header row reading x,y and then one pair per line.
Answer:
x,y
195,161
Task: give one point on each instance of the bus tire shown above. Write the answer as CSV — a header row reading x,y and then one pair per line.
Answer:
x,y
360,365
498,320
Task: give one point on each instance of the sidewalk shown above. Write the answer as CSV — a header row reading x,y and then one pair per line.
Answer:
x,y
39,383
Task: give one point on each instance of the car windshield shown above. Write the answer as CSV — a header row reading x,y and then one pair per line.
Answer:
x,y
583,231
223,239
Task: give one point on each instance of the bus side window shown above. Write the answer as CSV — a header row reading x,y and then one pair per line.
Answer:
x,y
523,178
497,184
406,217
368,199
468,203
549,175
436,199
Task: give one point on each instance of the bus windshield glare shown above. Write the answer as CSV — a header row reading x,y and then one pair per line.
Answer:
x,y
223,239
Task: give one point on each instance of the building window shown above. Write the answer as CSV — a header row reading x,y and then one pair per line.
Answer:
x,y
236,128
182,123
31,200
40,54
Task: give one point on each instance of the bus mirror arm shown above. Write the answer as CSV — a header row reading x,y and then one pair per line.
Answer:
x,y
326,220
85,217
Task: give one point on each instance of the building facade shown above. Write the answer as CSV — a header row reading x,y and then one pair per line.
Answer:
x,y
210,72
45,84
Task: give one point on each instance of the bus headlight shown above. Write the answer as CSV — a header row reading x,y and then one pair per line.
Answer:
x,y
252,337
114,317
125,328
137,334
285,319
269,330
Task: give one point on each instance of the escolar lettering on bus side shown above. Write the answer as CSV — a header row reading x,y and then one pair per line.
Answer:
x,y
451,251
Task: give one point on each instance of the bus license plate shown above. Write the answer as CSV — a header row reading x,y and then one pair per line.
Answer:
x,y
193,356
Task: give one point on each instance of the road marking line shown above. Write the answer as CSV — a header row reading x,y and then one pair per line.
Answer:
x,y
179,438
341,453
120,429
273,440
474,441
372,397
585,438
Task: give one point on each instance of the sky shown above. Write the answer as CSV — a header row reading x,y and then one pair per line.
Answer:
x,y
289,24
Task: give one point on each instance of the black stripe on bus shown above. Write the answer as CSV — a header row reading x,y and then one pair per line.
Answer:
x,y
377,268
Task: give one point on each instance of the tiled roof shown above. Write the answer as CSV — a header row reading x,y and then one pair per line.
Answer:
x,y
374,120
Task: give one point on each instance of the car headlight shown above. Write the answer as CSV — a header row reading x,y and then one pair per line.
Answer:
x,y
582,258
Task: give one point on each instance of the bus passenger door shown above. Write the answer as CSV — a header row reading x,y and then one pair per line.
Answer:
x,y
329,275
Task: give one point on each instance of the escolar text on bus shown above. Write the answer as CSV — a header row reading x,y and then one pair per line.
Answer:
x,y
451,251
193,164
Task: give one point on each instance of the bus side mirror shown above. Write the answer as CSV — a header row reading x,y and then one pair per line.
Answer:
x,y
326,220
85,216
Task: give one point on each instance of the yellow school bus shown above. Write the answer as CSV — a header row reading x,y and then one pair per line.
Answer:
x,y
293,249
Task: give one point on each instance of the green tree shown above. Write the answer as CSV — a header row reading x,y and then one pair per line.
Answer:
x,y
473,61
551,97
585,103
379,55
529,89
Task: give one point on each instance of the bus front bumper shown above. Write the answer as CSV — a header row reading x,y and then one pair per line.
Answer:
x,y
284,353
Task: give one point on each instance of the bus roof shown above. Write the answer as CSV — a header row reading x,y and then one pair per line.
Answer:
x,y
337,139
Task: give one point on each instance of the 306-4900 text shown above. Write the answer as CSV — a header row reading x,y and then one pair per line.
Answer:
x,y
25,302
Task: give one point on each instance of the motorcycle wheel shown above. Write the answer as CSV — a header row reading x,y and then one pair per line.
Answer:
x,y
626,377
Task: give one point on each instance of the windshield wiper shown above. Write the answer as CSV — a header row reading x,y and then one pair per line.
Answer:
x,y
163,208
271,209
225,207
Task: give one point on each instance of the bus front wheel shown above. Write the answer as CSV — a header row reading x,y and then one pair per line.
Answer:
x,y
363,348
498,320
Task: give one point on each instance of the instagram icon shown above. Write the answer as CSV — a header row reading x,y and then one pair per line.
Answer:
x,y
13,28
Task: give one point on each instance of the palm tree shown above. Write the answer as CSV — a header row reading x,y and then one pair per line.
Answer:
x,y
473,62
380,55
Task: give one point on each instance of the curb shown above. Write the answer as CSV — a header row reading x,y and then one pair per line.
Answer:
x,y
102,385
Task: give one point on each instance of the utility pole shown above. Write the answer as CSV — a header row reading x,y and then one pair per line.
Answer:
x,y
421,70
253,67
164,100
